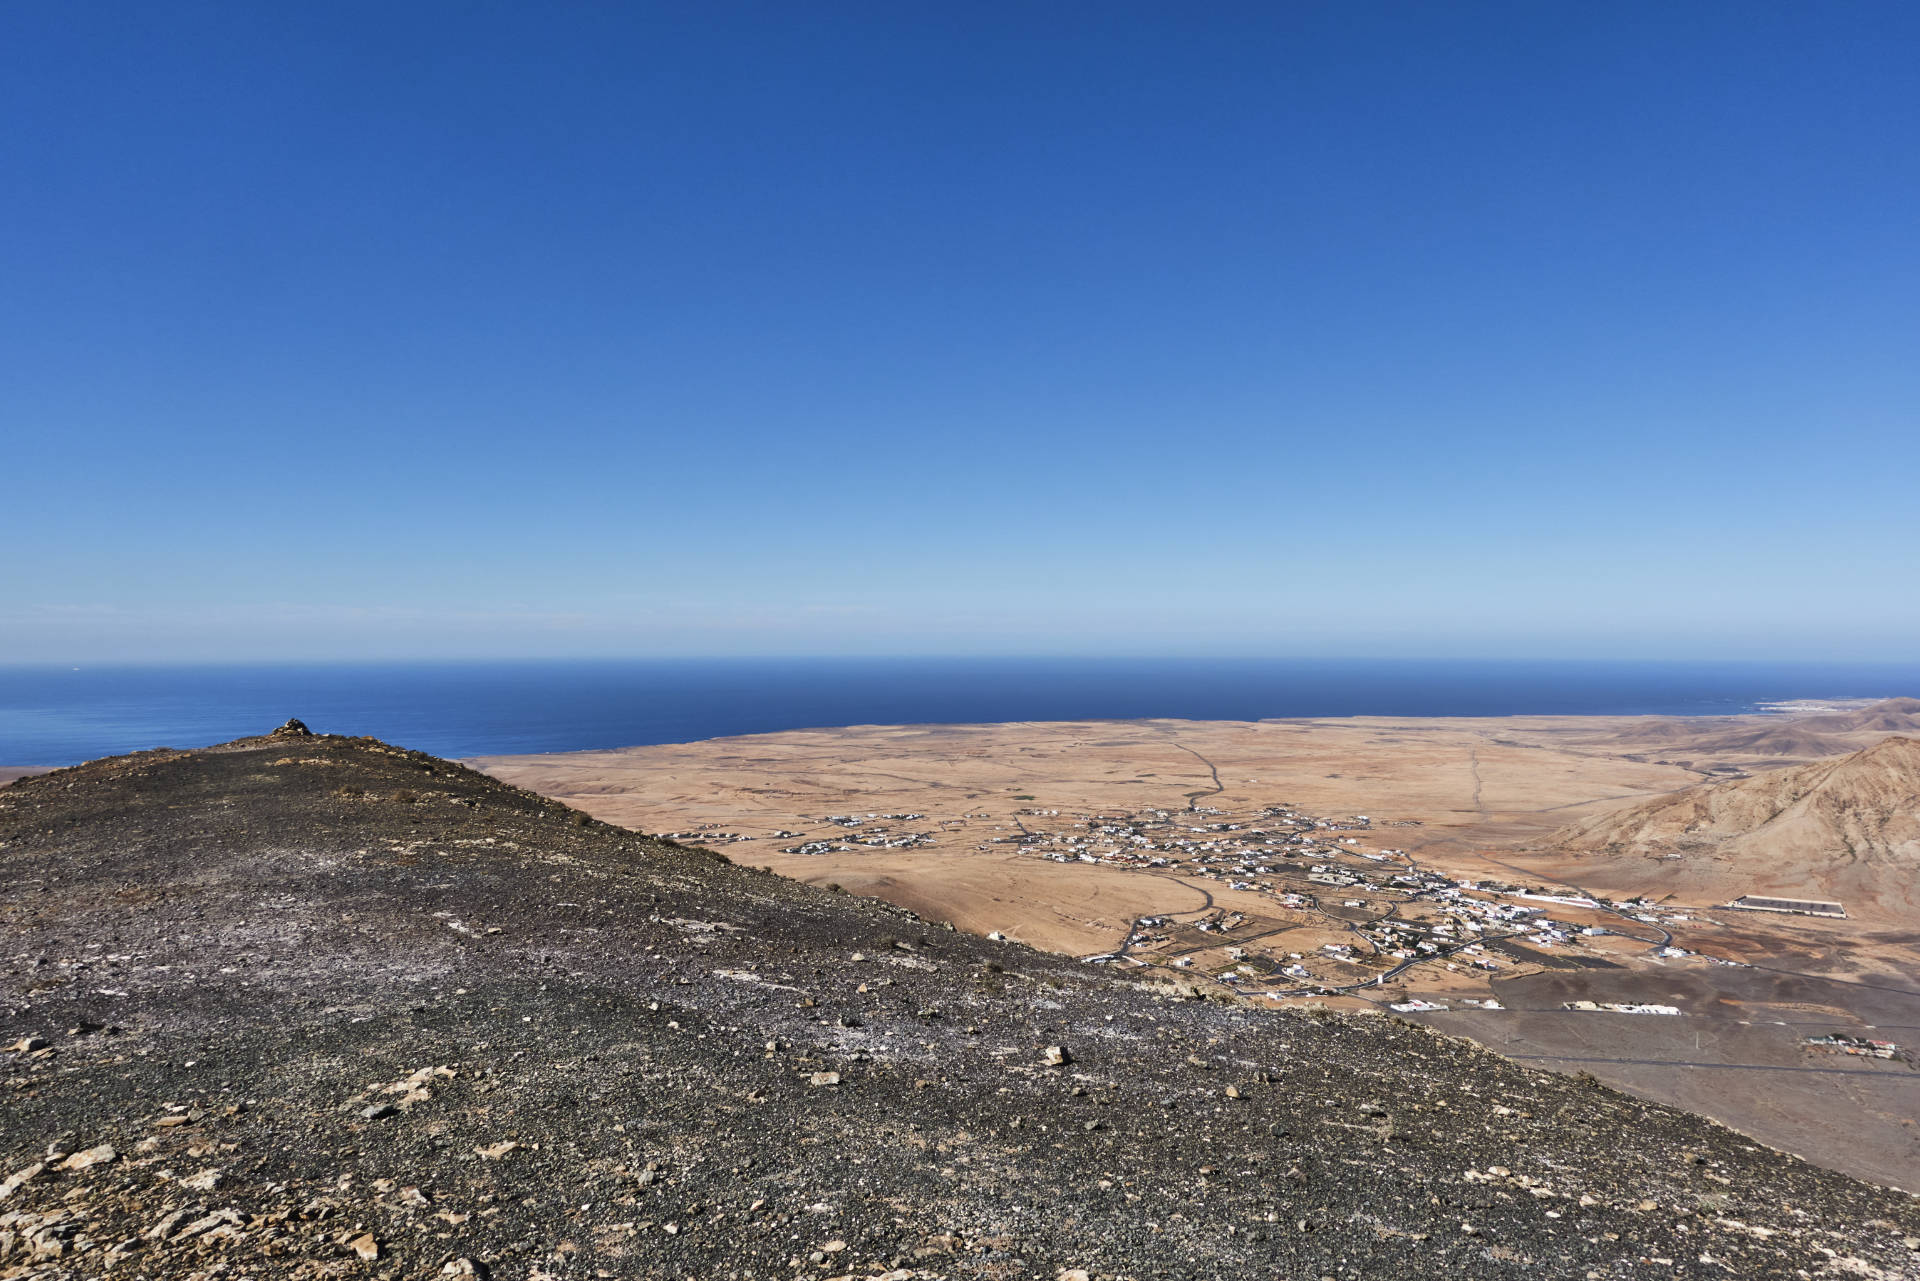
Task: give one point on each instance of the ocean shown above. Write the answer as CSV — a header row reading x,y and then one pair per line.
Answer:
x,y
62,715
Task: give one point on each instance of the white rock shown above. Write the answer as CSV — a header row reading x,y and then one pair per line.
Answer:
x,y
20,1178
101,1155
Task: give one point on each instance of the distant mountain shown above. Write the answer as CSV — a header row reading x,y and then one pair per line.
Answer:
x,y
1890,716
1846,827
1765,742
314,1007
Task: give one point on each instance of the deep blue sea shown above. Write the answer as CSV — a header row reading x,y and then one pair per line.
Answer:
x,y
61,715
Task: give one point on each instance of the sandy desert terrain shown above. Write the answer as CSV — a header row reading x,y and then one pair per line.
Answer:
x,y
1473,874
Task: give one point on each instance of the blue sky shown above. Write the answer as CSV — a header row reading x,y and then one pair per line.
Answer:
x,y
341,331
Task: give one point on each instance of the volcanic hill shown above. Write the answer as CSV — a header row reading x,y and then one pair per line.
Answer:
x,y
320,1007
1843,828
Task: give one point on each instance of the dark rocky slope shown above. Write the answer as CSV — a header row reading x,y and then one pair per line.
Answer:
x,y
320,1007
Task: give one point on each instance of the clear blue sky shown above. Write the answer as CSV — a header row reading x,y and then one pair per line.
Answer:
x,y
373,330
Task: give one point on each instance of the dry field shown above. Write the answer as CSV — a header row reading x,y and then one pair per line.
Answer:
x,y
1257,858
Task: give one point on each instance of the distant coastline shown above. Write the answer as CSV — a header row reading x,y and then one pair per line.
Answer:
x,y
53,716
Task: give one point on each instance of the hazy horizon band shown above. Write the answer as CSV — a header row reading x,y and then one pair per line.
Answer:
x,y
61,715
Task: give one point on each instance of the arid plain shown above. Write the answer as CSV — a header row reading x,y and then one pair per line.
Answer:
x,y
1504,879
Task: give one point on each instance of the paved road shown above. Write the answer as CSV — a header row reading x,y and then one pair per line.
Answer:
x,y
1828,978
1193,798
1730,1067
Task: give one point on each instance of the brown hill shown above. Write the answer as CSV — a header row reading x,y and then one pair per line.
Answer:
x,y
1846,828
1795,740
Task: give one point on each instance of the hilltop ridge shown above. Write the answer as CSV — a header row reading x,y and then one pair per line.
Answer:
x,y
313,1006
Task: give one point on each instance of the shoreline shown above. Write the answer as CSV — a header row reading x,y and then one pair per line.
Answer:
x,y
462,710
1766,711
1770,712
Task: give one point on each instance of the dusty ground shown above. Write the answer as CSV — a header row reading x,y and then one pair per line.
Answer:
x,y
1468,798
1465,782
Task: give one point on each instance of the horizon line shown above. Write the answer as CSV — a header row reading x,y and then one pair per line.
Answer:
x,y
944,657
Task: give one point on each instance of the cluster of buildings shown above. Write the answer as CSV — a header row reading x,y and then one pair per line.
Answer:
x,y
1305,864
1841,1043
873,837
1384,913
706,835
1791,906
857,820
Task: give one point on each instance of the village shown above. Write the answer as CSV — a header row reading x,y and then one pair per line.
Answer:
x,y
1297,905
1338,913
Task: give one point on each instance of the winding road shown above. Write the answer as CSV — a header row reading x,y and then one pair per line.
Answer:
x,y
1193,798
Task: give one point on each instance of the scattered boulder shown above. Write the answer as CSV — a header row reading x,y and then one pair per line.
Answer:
x,y
20,1178
101,1155
170,1223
